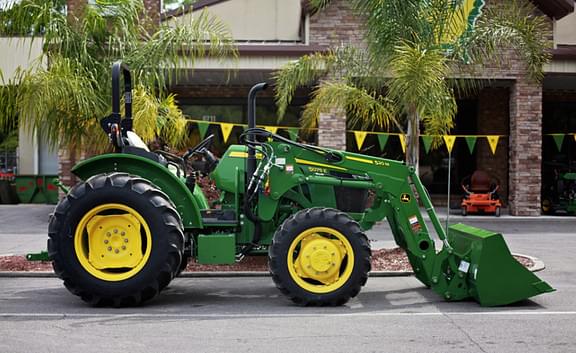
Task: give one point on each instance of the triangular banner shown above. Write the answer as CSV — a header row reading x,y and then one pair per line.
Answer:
x,y
293,134
471,142
449,140
203,128
558,139
427,142
226,130
382,140
360,136
403,142
271,129
493,142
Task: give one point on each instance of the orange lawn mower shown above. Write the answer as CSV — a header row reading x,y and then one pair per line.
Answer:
x,y
481,196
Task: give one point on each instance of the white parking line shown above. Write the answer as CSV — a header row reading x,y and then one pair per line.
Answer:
x,y
261,315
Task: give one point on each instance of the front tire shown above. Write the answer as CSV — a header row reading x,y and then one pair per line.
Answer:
x,y
115,239
319,256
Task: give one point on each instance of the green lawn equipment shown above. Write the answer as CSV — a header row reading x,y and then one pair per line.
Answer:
x,y
560,197
123,233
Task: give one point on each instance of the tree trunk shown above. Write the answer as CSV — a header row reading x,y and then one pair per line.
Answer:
x,y
412,139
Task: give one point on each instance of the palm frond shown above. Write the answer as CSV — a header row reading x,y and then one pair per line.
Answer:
x,y
506,29
163,54
62,101
302,72
367,108
8,100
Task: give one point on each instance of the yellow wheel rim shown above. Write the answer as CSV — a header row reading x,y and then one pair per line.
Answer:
x,y
112,242
320,260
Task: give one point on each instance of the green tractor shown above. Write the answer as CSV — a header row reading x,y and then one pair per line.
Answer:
x,y
130,226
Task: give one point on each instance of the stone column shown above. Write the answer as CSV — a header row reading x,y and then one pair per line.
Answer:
x,y
332,130
75,9
152,11
66,161
493,119
525,151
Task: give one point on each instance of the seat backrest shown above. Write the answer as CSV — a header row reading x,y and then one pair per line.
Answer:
x,y
480,181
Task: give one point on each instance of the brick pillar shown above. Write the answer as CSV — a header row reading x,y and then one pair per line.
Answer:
x,y
493,119
75,9
152,11
332,130
66,160
525,147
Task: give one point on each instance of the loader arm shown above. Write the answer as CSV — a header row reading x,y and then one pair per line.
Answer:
x,y
471,261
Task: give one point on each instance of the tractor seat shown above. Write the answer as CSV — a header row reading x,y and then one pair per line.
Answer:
x,y
480,182
134,145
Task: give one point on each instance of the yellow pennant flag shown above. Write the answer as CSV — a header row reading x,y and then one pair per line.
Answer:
x,y
226,130
271,129
403,142
493,142
449,140
360,136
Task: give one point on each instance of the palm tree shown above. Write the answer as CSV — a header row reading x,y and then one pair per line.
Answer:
x,y
419,56
67,98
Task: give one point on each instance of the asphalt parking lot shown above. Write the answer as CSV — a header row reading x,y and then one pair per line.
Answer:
x,y
393,314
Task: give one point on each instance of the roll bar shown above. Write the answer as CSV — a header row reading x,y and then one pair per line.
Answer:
x,y
118,69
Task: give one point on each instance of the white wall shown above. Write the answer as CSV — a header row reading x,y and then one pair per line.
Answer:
x,y
257,20
34,157
19,52
565,30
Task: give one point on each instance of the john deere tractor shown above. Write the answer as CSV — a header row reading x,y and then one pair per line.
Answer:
x,y
129,227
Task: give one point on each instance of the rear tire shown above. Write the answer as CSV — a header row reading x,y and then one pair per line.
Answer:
x,y
129,269
319,256
497,212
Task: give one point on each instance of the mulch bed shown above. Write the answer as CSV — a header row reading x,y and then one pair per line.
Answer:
x,y
382,260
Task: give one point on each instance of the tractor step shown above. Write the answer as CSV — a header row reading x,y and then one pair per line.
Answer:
x,y
219,217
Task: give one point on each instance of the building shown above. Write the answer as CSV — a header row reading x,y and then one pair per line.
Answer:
x,y
34,156
270,33
522,114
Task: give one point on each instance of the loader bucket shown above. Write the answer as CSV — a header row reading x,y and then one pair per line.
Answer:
x,y
494,277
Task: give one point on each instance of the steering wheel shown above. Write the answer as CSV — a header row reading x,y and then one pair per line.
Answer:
x,y
199,147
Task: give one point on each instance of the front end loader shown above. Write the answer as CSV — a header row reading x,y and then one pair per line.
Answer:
x,y
129,227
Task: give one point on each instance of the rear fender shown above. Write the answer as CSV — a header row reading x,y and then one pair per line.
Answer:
x,y
186,203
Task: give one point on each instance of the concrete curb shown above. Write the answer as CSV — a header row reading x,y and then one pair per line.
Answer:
x,y
538,266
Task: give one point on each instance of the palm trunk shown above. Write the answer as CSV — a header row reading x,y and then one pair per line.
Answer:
x,y
412,140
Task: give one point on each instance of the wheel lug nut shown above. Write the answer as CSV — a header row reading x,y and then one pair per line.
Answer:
x,y
109,248
115,231
105,241
116,251
108,234
125,240
123,247
123,233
